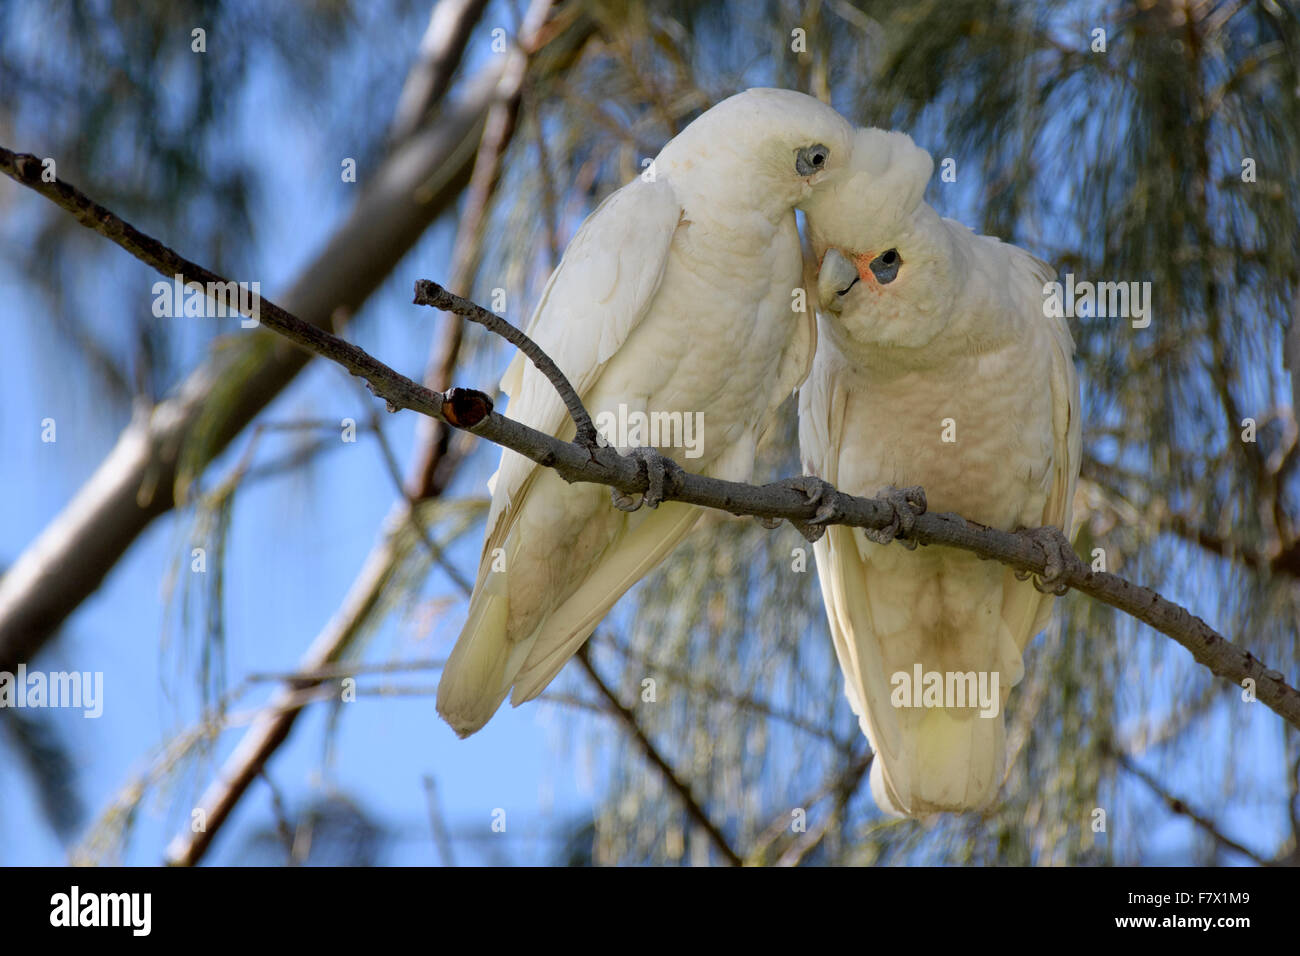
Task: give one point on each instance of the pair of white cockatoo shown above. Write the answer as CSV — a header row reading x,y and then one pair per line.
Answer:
x,y
936,366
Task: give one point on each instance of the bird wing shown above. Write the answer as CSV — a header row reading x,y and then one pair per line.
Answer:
x,y
797,360
1027,611
598,293
823,407
602,288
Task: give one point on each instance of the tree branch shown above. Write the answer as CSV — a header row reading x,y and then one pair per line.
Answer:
x,y
1179,806
441,49
472,411
136,482
652,754
157,452
432,294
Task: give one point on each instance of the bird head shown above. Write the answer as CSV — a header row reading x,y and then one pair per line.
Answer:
x,y
766,148
885,260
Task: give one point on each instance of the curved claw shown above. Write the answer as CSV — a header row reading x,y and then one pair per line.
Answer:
x,y
815,492
625,502
812,532
814,489
826,514
657,469
908,504
1058,559
883,535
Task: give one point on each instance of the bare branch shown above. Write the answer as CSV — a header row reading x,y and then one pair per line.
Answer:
x,y
441,49
652,754
471,410
412,510
435,462
432,294
340,671
137,481
844,790
1180,807
842,784
694,683
276,720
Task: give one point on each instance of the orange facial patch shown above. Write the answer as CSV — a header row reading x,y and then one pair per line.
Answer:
x,y
863,265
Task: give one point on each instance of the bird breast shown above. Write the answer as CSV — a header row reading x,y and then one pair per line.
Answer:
x,y
970,431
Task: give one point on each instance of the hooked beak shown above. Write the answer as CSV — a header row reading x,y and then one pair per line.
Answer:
x,y
838,274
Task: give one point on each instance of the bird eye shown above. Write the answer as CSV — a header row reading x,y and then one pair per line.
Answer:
x,y
811,159
885,266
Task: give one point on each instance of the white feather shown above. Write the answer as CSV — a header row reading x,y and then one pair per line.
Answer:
x,y
674,296
959,337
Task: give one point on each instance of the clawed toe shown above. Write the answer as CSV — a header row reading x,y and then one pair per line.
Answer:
x,y
658,469
908,504
624,502
1058,560
811,487
816,492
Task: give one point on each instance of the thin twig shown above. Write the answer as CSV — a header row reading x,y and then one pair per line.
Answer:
x,y
652,754
694,683
346,670
432,294
848,777
847,786
1180,807
413,506
435,463
441,836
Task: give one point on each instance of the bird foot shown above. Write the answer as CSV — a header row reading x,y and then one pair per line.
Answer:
x,y
658,469
1058,559
908,504
817,492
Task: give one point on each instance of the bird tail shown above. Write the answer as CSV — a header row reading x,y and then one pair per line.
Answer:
x,y
951,761
487,660
647,540
930,755
482,665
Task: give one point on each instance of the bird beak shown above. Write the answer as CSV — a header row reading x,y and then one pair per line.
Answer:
x,y
836,277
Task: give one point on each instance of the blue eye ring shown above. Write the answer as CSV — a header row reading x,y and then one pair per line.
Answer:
x,y
811,159
885,266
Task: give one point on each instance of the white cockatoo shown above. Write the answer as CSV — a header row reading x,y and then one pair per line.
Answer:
x,y
677,295
936,367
